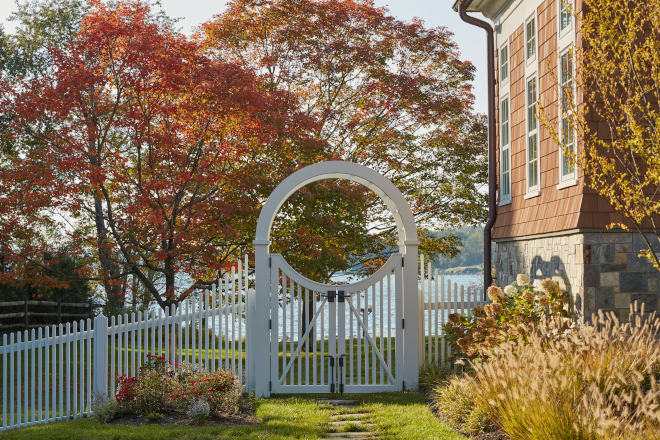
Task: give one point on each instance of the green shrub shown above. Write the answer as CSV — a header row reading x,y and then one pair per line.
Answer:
x,y
106,411
154,417
432,374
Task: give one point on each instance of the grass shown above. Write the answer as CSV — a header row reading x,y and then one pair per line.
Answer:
x,y
397,415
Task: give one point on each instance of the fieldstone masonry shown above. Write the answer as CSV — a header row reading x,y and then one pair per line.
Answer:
x,y
600,270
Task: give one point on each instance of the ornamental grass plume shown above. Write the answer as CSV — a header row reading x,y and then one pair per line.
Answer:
x,y
600,383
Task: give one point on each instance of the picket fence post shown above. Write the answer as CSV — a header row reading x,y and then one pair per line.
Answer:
x,y
100,362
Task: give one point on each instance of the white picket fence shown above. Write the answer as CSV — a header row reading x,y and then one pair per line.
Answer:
x,y
438,298
50,375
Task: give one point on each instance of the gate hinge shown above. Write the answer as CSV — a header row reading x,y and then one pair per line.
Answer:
x,y
270,324
270,261
403,323
404,385
270,385
402,262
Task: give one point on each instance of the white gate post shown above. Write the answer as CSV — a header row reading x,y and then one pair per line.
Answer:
x,y
411,316
259,328
100,365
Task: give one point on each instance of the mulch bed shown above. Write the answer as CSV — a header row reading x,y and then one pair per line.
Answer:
x,y
245,416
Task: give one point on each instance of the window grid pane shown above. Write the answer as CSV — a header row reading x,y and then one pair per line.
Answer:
x,y
504,63
566,17
531,104
533,153
567,167
531,39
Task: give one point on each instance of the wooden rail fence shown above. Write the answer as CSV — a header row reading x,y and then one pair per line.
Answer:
x,y
26,313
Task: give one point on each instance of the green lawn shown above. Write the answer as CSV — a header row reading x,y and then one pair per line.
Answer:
x,y
397,415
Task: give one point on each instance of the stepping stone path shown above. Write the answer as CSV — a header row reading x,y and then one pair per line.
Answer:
x,y
363,430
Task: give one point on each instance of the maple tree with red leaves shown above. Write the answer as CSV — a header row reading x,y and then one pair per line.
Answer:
x,y
391,95
144,155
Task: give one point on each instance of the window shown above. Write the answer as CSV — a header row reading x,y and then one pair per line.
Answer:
x,y
505,165
532,138
568,137
565,16
530,39
504,63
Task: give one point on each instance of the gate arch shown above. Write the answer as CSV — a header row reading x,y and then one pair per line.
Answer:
x,y
259,357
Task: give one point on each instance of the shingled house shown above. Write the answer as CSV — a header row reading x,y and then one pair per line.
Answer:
x,y
548,223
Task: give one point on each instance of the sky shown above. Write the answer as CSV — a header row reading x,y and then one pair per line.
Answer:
x,y
471,40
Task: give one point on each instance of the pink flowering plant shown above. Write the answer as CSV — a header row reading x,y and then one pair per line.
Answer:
x,y
513,314
162,388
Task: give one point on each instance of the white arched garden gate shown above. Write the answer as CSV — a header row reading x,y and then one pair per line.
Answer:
x,y
342,347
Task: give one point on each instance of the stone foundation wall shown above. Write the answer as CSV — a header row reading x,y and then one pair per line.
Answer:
x,y
600,270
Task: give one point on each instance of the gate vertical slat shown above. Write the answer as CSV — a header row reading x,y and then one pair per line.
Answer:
x,y
332,341
341,340
291,319
40,373
359,343
381,336
307,344
322,359
200,331
398,344
374,364
350,348
314,341
298,332
67,367
389,322
274,315
186,336
89,367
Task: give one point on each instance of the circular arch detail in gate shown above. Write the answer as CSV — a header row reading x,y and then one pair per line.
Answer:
x,y
258,356
376,182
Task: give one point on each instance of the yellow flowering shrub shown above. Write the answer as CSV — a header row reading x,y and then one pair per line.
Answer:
x,y
514,313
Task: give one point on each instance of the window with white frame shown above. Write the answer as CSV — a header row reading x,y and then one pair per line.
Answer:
x,y
565,16
532,138
567,135
530,38
504,63
505,164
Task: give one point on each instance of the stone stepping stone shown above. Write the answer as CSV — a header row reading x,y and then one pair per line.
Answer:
x,y
349,416
352,435
350,422
342,402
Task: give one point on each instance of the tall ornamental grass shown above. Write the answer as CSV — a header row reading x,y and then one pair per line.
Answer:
x,y
599,382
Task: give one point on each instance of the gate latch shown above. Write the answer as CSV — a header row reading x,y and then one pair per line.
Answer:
x,y
341,296
331,296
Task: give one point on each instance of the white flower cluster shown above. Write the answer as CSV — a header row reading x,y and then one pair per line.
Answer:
x,y
510,291
199,411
